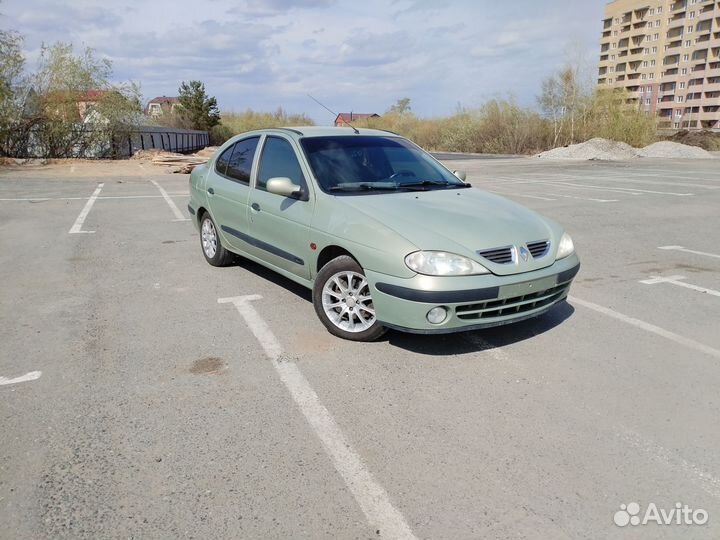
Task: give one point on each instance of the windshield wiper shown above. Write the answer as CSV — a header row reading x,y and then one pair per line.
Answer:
x,y
431,183
365,186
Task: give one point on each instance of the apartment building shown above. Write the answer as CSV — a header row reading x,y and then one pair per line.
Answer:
x,y
666,53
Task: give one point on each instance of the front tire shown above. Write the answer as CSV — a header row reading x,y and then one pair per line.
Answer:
x,y
342,301
213,250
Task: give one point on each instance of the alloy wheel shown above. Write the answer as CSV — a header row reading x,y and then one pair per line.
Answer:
x,y
209,239
347,302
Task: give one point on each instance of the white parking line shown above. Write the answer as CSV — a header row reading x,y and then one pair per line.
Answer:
x,y
633,178
108,197
33,375
370,495
178,214
506,194
584,198
576,186
677,280
692,344
685,250
77,226
621,190
670,459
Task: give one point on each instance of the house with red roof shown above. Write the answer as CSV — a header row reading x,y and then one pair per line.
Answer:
x,y
162,105
345,119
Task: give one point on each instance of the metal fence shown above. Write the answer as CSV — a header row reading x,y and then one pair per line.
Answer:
x,y
87,143
169,139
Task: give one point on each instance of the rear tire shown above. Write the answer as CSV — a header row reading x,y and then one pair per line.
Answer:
x,y
342,301
213,250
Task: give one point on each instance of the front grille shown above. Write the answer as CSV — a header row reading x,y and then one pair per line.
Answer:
x,y
502,255
512,306
538,249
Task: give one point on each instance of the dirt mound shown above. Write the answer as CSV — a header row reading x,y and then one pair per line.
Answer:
x,y
207,152
147,155
704,139
605,150
600,149
669,149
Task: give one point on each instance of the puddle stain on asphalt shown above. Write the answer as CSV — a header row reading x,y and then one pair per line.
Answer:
x,y
208,366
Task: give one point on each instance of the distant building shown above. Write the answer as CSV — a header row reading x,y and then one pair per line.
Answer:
x,y
73,106
162,105
87,102
666,53
343,119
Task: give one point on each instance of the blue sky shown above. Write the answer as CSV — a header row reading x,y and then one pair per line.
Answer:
x,y
351,55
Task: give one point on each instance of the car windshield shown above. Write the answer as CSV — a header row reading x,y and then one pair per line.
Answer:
x,y
371,164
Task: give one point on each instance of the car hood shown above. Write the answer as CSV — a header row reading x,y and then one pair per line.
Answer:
x,y
462,221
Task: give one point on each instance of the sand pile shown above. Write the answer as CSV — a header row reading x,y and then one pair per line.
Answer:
x,y
601,149
669,149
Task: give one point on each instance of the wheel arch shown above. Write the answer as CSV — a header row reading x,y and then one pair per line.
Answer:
x,y
328,253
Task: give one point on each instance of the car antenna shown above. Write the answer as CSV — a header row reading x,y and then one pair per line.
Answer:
x,y
336,115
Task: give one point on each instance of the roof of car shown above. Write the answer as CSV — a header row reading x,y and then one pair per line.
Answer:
x,y
324,131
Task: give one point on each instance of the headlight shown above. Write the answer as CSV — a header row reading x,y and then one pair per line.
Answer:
x,y
566,246
440,263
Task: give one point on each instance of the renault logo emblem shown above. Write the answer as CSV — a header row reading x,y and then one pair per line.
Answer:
x,y
524,254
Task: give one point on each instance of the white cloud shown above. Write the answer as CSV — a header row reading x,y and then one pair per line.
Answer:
x,y
354,55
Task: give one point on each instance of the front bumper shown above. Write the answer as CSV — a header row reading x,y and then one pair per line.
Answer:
x,y
472,302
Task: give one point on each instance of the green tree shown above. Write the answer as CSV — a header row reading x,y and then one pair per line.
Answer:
x,y
197,108
13,87
401,106
77,111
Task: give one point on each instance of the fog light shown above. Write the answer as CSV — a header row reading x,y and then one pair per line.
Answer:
x,y
437,315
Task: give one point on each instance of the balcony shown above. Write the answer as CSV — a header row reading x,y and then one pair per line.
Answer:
x,y
709,116
678,6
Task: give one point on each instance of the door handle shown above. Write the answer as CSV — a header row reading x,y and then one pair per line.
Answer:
x,y
211,191
255,206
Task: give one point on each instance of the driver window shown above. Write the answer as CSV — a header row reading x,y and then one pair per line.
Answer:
x,y
402,161
279,160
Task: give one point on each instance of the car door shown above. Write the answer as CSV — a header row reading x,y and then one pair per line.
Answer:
x,y
228,188
280,226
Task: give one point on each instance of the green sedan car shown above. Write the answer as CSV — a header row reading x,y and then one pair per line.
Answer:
x,y
383,234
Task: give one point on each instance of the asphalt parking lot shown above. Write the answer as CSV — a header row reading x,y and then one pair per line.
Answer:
x,y
150,409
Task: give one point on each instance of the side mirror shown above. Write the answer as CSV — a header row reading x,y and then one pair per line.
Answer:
x,y
462,175
283,186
